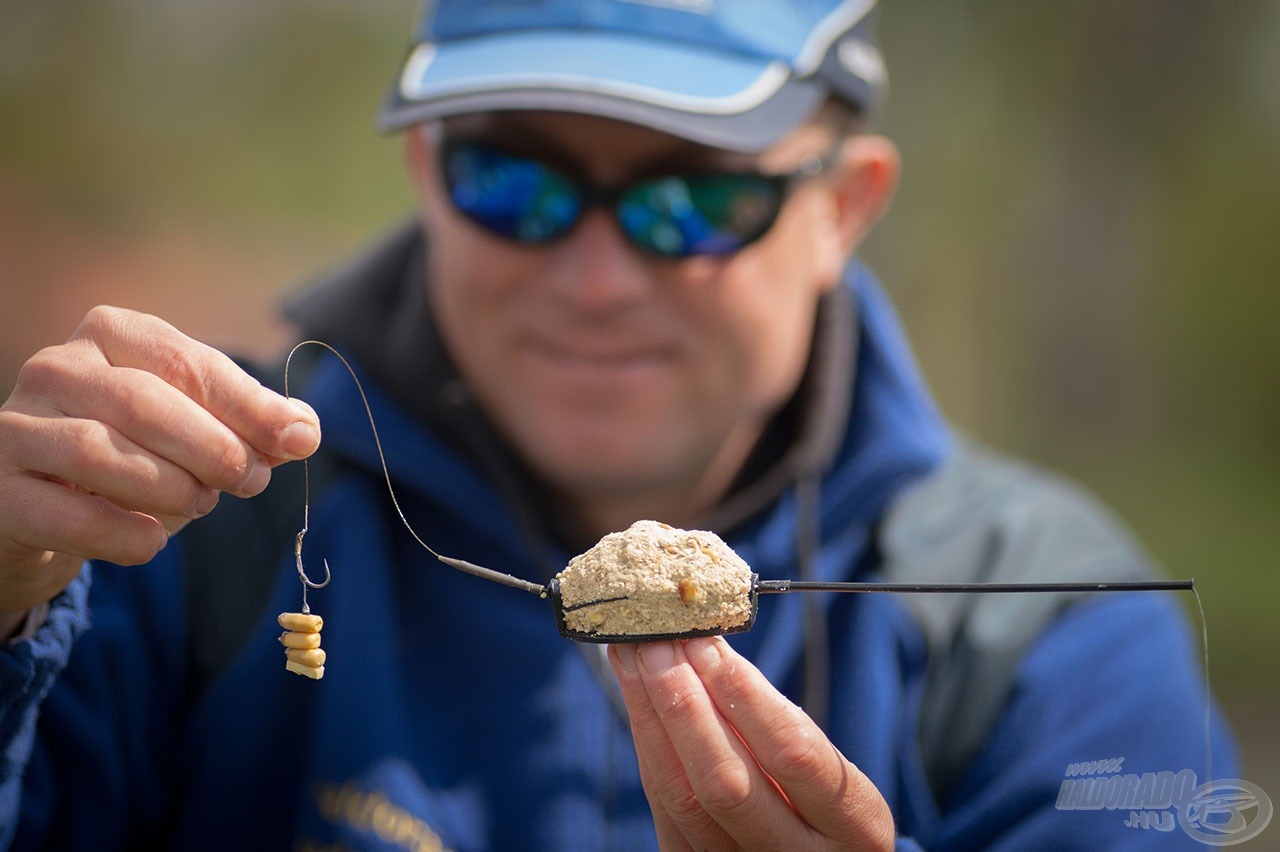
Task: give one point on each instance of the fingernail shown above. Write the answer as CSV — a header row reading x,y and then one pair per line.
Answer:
x,y
657,657
204,503
625,654
300,439
258,477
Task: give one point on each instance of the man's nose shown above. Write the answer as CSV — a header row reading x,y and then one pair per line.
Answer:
x,y
597,270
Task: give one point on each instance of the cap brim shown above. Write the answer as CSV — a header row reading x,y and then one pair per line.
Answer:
x,y
717,98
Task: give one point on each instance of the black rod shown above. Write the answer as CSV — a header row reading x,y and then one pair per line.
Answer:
x,y
780,586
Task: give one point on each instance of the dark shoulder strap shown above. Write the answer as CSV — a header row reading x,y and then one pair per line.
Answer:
x,y
984,518
232,556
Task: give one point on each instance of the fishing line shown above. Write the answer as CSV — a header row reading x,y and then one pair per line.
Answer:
x,y
758,586
460,564
1208,698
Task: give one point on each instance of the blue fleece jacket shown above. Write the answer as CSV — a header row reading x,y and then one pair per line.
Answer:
x,y
452,715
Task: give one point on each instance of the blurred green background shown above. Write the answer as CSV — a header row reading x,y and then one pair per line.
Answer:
x,y
1084,246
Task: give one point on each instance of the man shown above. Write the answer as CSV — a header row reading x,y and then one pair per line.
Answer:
x,y
626,295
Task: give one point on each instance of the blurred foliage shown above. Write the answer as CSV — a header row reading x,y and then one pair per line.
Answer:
x,y
1081,245
1082,250
218,109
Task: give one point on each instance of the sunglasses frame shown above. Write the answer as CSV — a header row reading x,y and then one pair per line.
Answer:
x,y
592,195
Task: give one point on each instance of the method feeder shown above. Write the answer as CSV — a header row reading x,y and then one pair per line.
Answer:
x,y
777,587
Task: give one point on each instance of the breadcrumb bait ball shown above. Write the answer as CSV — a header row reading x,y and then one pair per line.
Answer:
x,y
654,579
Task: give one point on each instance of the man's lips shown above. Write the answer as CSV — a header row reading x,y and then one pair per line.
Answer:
x,y
599,358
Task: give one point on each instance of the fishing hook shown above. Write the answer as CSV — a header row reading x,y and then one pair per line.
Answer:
x,y
307,582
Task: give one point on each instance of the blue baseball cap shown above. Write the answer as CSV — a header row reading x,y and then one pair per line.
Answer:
x,y
735,74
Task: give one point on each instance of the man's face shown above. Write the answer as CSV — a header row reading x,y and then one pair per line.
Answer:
x,y
613,372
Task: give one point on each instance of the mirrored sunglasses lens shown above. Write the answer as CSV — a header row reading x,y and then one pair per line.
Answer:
x,y
702,215
512,196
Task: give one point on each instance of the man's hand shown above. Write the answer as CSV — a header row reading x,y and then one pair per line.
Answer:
x,y
116,439
727,762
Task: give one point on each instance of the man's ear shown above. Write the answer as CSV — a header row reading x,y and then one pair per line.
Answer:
x,y
856,193
866,170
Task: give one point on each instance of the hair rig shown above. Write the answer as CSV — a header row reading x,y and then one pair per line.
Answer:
x,y
301,639
650,582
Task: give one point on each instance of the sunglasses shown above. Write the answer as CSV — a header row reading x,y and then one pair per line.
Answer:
x,y
529,201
